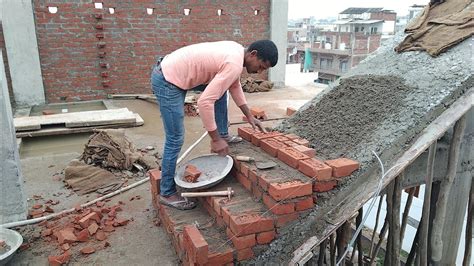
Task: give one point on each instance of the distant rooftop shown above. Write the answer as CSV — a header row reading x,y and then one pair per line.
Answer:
x,y
358,21
361,10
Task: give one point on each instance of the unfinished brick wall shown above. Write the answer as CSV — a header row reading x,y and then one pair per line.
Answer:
x,y
5,63
366,43
384,15
87,53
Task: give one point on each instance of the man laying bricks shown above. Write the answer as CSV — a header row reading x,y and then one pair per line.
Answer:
x,y
214,68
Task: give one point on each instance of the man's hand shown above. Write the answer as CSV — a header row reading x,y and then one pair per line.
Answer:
x,y
220,147
255,123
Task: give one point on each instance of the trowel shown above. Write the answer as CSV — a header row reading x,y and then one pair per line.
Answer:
x,y
262,165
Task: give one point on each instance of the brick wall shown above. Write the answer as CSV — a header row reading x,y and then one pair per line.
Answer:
x,y
5,63
374,42
388,16
87,53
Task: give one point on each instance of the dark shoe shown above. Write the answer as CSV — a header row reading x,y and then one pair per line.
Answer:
x,y
180,204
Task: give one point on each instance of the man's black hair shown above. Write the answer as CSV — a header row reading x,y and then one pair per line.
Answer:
x,y
266,51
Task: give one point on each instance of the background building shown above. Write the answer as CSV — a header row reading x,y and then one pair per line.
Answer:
x,y
336,47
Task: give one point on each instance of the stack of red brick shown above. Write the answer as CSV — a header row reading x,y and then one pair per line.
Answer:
x,y
85,231
248,224
295,152
285,197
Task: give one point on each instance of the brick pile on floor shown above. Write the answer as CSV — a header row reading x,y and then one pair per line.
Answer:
x,y
191,109
80,233
222,231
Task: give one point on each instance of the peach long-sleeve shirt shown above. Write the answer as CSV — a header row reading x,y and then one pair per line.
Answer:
x,y
218,64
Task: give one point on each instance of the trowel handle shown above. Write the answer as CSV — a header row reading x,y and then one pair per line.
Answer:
x,y
244,158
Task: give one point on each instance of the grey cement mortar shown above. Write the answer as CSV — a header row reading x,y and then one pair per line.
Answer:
x,y
413,89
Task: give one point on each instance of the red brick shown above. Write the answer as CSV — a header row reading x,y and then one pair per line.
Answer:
x,y
257,137
217,205
209,200
290,111
278,207
271,146
292,136
195,244
257,191
249,223
253,176
304,204
265,237
291,156
66,235
244,181
301,141
323,186
44,233
257,112
246,133
316,169
286,218
83,235
264,181
65,246
87,250
191,173
244,169
222,258
289,190
155,178
290,143
87,220
59,260
281,138
100,235
220,221
241,242
245,254
342,167
305,150
209,209
226,215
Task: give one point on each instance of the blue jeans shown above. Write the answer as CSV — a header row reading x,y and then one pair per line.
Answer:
x,y
171,102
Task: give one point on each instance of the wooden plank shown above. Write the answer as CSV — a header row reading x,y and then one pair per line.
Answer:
x,y
87,118
429,135
129,96
65,131
139,120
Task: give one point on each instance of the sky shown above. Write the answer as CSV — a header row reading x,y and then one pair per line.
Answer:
x,y
330,8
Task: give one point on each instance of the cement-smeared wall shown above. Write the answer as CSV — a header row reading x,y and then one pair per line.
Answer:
x,y
12,198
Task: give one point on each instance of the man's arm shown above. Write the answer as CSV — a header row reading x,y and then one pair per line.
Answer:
x,y
238,96
254,122
214,90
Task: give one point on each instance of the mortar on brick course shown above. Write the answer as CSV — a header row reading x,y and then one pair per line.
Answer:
x,y
380,105
280,173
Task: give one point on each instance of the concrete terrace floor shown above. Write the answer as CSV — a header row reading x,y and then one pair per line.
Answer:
x,y
140,242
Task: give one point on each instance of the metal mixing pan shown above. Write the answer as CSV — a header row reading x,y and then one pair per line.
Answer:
x,y
213,170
